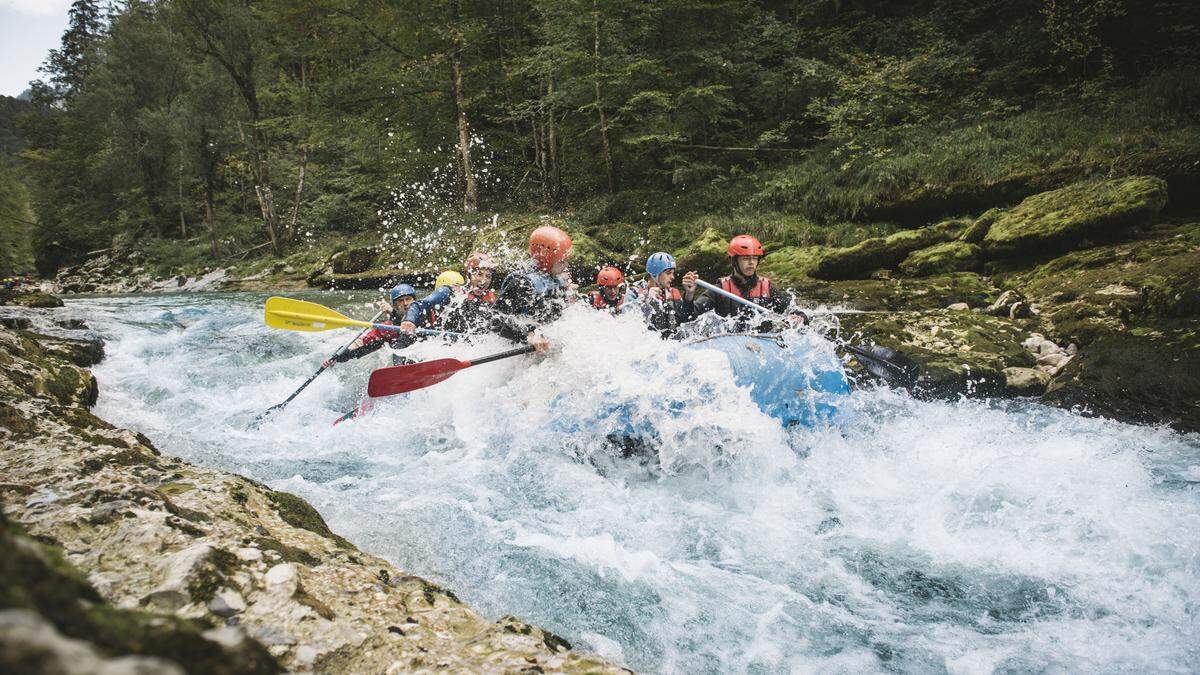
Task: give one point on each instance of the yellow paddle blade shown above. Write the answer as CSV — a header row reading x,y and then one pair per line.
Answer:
x,y
290,314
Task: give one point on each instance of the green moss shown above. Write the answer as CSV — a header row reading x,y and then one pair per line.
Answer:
x,y
211,575
708,255
288,553
1060,219
858,261
298,513
950,256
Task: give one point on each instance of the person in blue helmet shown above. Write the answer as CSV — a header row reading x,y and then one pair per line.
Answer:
x,y
425,313
662,305
403,296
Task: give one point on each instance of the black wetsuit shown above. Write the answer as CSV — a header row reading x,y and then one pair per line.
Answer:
x,y
375,338
527,299
756,289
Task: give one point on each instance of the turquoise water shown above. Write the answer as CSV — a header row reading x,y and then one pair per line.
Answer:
x,y
913,536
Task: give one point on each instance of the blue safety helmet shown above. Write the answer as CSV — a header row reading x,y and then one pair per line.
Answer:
x,y
402,290
658,263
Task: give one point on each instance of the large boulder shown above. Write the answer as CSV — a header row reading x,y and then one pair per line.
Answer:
x,y
792,264
960,353
858,261
901,294
1144,379
352,260
1084,213
708,254
944,258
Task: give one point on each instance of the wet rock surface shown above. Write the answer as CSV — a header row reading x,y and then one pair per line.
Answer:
x,y
203,570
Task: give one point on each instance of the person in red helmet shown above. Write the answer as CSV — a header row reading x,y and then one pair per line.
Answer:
x,y
745,254
609,293
537,293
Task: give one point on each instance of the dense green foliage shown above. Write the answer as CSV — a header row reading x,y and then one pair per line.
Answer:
x,y
252,121
16,226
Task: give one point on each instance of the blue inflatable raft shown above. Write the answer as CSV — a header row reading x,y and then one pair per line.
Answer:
x,y
794,383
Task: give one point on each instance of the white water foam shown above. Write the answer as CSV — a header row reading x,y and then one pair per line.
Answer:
x,y
967,536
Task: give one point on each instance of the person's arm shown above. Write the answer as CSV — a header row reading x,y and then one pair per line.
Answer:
x,y
784,302
512,304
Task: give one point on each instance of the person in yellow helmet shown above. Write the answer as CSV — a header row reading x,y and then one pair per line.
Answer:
x,y
424,312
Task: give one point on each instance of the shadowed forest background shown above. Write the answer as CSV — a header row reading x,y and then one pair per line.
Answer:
x,y
207,129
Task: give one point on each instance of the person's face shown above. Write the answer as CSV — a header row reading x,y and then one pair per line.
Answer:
x,y
665,278
402,303
481,278
747,265
610,292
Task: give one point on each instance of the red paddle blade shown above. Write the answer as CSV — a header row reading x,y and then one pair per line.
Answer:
x,y
401,379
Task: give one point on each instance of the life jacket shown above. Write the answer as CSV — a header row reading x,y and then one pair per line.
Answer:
x,y
489,297
643,289
761,290
601,302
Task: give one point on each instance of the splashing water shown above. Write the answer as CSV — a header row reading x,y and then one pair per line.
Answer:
x,y
965,536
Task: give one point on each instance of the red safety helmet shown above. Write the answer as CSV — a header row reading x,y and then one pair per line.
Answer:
x,y
479,261
610,276
549,245
745,244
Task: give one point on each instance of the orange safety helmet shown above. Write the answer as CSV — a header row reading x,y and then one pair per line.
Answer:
x,y
745,244
549,245
610,276
479,261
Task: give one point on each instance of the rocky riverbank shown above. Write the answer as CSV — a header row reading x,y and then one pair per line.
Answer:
x,y
119,559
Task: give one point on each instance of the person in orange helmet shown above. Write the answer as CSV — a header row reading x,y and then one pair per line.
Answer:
x,y
536,293
480,268
745,254
609,293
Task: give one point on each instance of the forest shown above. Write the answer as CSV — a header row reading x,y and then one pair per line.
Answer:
x,y
241,125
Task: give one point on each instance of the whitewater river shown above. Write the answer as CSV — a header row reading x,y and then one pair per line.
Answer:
x,y
909,536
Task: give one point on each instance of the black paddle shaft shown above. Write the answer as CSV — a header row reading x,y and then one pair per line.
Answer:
x,y
320,370
502,355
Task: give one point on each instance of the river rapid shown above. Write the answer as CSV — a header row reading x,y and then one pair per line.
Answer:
x,y
916,536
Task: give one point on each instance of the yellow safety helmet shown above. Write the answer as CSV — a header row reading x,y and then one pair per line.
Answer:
x,y
449,278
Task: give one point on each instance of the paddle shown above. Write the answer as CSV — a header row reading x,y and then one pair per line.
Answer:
x,y
302,315
401,379
888,365
279,406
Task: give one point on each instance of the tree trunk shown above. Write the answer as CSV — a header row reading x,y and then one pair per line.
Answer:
x,y
470,202
299,190
179,185
260,172
210,218
608,165
552,145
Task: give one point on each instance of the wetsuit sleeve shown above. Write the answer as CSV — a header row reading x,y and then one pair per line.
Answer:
x,y
513,301
703,303
420,308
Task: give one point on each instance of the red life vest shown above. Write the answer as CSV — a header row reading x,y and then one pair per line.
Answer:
x,y
601,302
761,290
644,289
489,297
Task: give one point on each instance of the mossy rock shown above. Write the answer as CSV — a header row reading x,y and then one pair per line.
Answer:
x,y
903,294
1151,378
792,264
298,513
1091,293
1074,216
950,256
708,254
29,298
858,261
353,260
37,577
978,228
960,353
